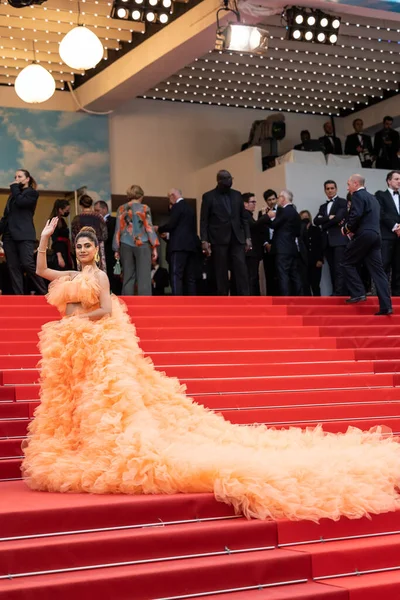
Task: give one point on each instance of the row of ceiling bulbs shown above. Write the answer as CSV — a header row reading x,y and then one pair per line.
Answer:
x,y
79,49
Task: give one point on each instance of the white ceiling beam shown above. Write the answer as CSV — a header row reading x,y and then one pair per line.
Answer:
x,y
25,38
21,64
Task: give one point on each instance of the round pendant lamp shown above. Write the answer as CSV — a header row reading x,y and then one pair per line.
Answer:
x,y
81,49
35,84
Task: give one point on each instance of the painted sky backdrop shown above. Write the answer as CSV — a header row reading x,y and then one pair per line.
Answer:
x,y
63,151
391,5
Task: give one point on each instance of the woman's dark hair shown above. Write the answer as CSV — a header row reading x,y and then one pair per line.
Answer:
x,y
32,183
86,201
87,232
59,204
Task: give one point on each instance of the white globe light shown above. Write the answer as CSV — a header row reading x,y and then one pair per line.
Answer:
x,y
35,84
81,49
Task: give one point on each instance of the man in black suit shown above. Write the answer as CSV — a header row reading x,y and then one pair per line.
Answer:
x,y
359,144
390,229
182,243
363,229
314,260
305,137
329,218
225,232
329,142
255,255
286,223
386,146
159,277
271,279
101,208
19,236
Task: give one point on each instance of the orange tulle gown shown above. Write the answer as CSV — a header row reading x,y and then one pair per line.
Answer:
x,y
108,422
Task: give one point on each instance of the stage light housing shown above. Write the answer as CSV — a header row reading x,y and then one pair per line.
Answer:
x,y
312,25
242,38
145,11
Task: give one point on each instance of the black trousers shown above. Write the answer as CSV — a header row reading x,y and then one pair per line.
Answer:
x,y
313,281
252,264
289,275
271,278
391,263
334,256
20,258
232,256
366,248
182,272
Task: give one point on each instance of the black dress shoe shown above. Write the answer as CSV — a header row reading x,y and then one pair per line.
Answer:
x,y
356,299
384,311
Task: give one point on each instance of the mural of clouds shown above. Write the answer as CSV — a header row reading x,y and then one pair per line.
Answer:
x,y
63,151
389,5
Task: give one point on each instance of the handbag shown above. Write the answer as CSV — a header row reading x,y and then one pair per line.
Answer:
x,y
117,268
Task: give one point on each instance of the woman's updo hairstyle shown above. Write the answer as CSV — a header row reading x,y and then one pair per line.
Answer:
x,y
86,201
87,232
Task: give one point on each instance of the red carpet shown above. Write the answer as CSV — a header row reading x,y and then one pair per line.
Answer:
x,y
292,361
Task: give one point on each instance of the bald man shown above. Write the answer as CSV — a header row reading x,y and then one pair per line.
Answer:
x,y
363,230
182,245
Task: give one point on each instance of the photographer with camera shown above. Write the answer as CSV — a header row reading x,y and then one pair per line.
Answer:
x,y
387,146
360,144
18,232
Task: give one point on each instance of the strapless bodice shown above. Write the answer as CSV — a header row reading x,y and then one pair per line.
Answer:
x,y
82,288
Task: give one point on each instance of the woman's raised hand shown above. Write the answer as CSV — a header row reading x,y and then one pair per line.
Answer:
x,y
50,227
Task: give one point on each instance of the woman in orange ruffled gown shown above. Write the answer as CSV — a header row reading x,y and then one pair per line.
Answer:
x,y
109,422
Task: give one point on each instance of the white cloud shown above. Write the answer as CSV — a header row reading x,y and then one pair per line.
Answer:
x,y
69,118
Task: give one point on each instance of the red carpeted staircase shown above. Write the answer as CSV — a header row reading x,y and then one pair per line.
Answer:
x,y
278,361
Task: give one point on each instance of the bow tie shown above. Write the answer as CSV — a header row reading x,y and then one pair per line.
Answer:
x,y
395,193
331,200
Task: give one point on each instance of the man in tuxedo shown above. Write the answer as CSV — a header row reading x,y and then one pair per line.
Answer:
x,y
286,223
305,137
387,146
255,255
363,229
101,208
329,218
225,232
390,229
182,243
329,142
271,279
359,144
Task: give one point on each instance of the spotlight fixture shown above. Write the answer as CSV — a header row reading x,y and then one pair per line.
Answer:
x,y
238,37
312,25
24,3
145,11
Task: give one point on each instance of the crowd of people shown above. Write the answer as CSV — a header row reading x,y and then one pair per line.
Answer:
x,y
290,245
382,152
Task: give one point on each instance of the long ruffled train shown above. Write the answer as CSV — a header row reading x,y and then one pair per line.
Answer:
x,y
108,422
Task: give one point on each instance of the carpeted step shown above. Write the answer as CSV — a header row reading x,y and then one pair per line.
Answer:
x,y
10,448
15,376
25,512
368,342
369,586
177,577
291,533
10,468
300,591
353,555
141,544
